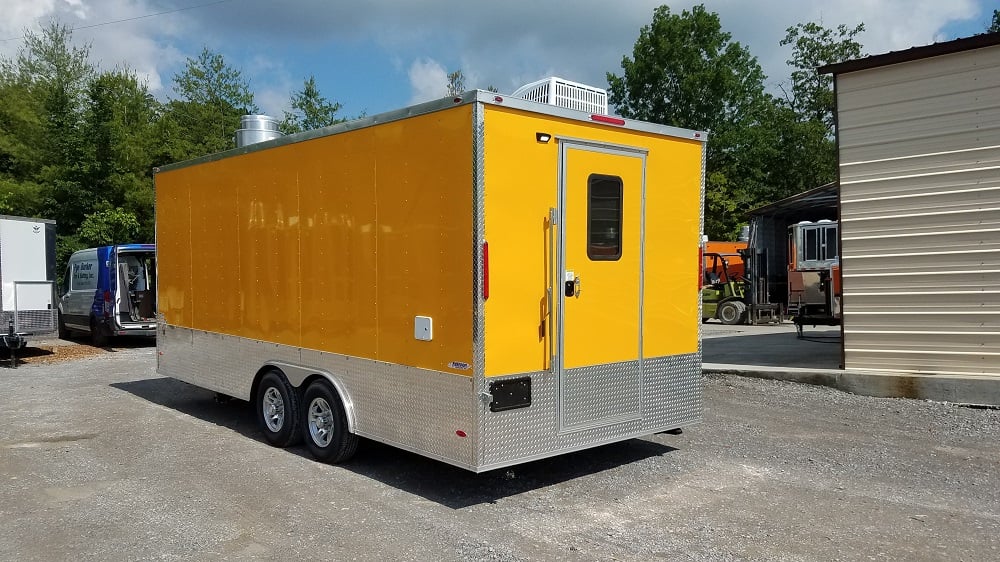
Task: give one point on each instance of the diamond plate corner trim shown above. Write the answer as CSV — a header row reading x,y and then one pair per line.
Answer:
x,y
414,409
701,230
479,237
672,398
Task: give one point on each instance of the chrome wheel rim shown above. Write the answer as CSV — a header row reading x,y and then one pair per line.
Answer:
x,y
274,409
320,422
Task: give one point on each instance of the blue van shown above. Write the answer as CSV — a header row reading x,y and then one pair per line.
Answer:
x,y
109,291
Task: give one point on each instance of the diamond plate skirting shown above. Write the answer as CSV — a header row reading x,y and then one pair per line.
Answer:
x,y
601,392
423,411
671,398
413,409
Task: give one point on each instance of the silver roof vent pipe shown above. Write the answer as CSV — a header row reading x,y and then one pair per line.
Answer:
x,y
256,128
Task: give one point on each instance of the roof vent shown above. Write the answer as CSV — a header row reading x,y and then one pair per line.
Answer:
x,y
563,93
256,128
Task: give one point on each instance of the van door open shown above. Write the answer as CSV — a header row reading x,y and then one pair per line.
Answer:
x,y
599,360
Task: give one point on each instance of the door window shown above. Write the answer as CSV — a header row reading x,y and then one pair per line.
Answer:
x,y
604,217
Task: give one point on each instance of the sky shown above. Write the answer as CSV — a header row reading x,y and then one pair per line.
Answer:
x,y
379,55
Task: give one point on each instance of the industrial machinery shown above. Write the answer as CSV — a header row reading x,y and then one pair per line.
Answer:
x,y
814,274
723,291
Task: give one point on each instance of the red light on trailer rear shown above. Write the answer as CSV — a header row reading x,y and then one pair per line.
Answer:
x,y
486,270
461,433
608,119
498,99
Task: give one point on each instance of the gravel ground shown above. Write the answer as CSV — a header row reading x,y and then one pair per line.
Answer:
x,y
102,459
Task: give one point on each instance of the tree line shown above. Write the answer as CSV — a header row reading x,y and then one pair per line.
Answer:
x,y
78,144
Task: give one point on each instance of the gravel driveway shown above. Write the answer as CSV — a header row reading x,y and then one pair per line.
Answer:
x,y
102,459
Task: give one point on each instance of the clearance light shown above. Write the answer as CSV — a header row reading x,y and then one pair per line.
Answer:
x,y
543,137
608,119
461,433
498,99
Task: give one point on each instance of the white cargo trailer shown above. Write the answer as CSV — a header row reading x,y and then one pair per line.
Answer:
x,y
27,280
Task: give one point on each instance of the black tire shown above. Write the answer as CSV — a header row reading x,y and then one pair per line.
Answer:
x,y
731,312
277,407
97,336
324,424
64,332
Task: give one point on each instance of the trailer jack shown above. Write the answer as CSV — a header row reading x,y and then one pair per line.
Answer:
x,y
13,341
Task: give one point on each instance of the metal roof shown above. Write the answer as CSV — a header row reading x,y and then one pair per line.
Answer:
x,y
824,197
915,53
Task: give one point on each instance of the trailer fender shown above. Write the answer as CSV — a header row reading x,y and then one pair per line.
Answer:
x,y
298,375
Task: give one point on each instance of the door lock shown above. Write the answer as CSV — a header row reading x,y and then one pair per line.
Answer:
x,y
573,287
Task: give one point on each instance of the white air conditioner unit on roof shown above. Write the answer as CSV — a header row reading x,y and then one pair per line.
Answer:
x,y
564,93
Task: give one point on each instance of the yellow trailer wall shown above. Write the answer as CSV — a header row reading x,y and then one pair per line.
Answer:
x,y
333,243
521,185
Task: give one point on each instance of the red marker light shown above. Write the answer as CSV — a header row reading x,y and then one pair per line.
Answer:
x,y
498,99
608,119
461,433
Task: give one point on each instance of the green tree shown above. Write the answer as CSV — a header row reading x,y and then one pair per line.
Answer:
x,y
813,46
804,124
456,83
310,110
995,25
110,226
120,125
686,71
212,97
42,155
21,158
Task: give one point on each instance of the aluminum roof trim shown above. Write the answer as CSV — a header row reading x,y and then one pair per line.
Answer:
x,y
26,219
473,96
556,111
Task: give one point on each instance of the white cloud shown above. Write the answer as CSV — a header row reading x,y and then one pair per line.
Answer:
x,y
144,45
428,80
501,44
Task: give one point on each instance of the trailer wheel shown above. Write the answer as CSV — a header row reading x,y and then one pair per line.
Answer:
x,y
277,408
324,424
731,312
97,337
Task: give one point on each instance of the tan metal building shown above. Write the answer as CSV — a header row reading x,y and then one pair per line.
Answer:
x,y
919,145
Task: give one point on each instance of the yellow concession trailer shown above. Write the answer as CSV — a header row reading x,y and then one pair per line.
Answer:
x,y
483,280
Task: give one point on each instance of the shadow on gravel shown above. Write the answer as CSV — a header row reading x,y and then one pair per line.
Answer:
x,y
458,488
819,349
118,342
433,480
196,402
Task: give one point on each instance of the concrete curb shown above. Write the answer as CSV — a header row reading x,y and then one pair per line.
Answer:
x,y
961,389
